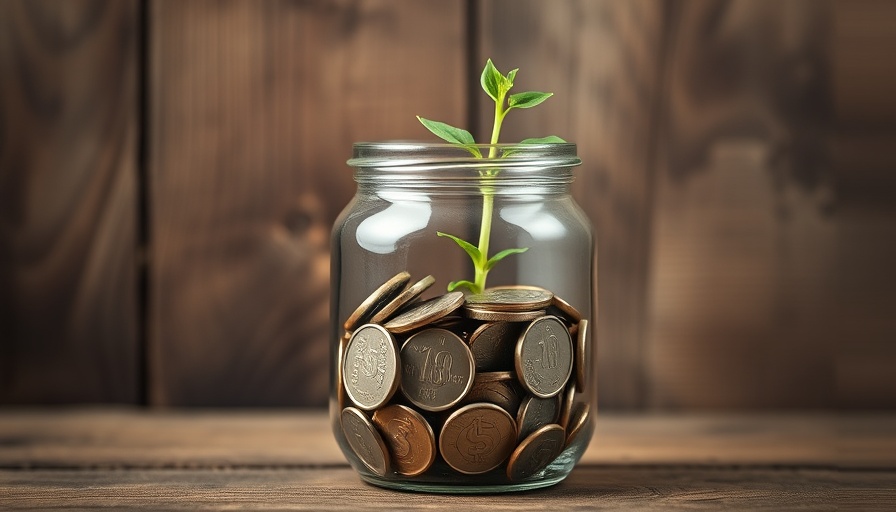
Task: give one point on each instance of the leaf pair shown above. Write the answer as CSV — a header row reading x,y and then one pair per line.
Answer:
x,y
479,261
496,85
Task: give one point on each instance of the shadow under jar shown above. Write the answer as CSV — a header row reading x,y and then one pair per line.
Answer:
x,y
463,391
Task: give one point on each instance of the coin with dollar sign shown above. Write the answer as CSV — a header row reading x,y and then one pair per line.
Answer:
x,y
477,438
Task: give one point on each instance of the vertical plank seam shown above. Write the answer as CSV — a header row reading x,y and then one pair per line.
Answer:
x,y
143,206
472,55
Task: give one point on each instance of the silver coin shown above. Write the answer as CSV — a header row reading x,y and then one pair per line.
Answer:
x,y
365,441
544,357
477,438
370,367
536,451
426,313
437,369
492,345
511,298
535,413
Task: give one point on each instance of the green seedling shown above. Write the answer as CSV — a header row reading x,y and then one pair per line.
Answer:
x,y
497,86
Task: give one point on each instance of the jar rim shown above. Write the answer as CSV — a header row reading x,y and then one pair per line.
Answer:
x,y
414,153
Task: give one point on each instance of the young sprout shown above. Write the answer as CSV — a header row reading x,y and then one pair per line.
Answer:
x,y
497,86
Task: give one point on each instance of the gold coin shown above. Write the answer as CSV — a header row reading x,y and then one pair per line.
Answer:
x,y
579,430
499,388
583,355
377,299
502,316
566,310
404,298
477,438
340,387
426,312
410,439
365,441
536,452
511,299
566,405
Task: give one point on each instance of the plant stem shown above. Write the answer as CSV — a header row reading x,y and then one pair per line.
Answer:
x,y
488,197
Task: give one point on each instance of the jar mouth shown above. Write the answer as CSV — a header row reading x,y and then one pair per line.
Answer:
x,y
397,154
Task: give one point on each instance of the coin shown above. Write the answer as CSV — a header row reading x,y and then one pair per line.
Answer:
x,y
583,355
403,298
578,432
566,310
536,451
370,367
340,356
535,413
377,299
410,439
492,345
568,401
426,312
511,298
365,441
437,369
543,357
484,377
499,388
477,438
502,316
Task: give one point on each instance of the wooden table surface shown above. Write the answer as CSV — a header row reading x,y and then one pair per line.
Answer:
x,y
263,459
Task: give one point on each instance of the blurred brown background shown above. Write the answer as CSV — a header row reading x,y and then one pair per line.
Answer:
x,y
169,172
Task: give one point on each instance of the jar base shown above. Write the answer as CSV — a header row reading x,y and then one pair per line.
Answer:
x,y
433,488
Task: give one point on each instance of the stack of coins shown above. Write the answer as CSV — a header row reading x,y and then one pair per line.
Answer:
x,y
484,381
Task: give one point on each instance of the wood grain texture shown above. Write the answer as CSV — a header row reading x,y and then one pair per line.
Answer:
x,y
68,207
255,106
141,439
769,285
190,459
587,488
602,61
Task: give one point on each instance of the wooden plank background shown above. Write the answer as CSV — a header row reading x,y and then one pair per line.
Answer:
x,y
69,122
738,169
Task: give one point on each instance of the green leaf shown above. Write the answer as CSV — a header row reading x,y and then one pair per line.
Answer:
x,y
511,76
503,254
453,285
491,80
550,139
452,134
471,249
528,99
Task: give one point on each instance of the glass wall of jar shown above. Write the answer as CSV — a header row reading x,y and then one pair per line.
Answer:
x,y
471,390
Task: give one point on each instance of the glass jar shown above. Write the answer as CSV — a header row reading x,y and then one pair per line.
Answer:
x,y
473,390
